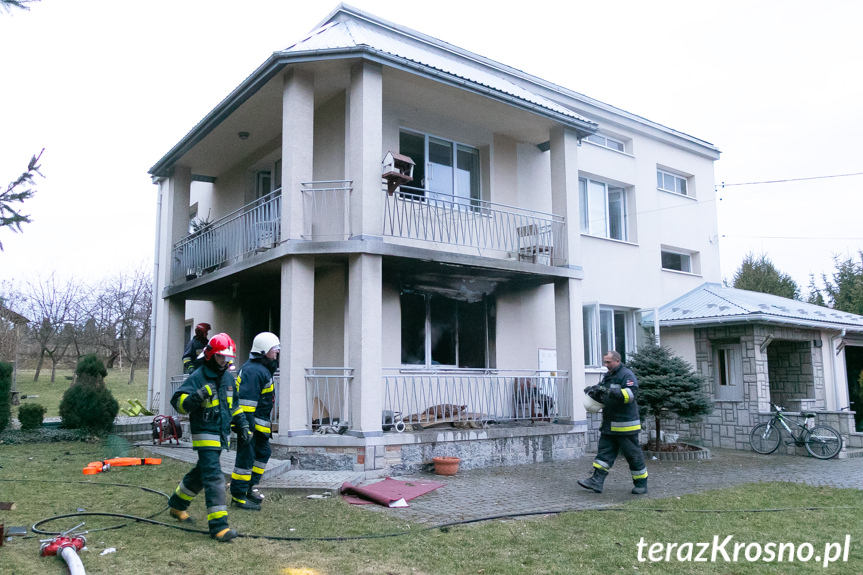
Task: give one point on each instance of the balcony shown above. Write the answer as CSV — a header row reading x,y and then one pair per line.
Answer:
x,y
411,217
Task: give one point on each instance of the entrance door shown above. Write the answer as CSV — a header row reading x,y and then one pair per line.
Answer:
x,y
854,369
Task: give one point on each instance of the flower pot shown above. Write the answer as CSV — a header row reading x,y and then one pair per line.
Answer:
x,y
446,465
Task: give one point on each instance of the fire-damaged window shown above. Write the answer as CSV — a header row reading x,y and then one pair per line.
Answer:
x,y
441,331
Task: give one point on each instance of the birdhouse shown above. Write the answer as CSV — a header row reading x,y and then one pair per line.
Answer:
x,y
397,170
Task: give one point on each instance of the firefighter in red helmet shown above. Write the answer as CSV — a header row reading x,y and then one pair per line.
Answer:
x,y
191,362
208,397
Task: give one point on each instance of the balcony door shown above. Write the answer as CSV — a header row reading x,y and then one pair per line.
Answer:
x,y
444,170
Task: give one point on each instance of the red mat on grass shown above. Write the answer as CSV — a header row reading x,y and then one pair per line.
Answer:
x,y
387,492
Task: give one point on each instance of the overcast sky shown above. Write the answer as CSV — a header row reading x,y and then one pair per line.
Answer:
x,y
107,87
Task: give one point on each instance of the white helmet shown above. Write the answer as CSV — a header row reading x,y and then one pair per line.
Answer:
x,y
264,342
591,405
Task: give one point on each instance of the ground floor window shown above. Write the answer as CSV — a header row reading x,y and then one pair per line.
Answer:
x,y
440,331
605,329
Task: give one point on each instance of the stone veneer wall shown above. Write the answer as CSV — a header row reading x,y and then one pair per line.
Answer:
x,y
408,453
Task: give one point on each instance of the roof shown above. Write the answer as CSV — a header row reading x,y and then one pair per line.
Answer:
x,y
349,32
712,303
12,316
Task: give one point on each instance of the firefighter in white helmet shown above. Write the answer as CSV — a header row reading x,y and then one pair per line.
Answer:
x,y
257,396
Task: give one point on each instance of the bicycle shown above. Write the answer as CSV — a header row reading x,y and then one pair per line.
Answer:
x,y
821,441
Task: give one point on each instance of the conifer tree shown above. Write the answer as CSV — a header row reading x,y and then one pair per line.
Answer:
x,y
18,191
668,386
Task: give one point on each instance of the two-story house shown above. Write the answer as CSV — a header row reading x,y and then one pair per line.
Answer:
x,y
444,244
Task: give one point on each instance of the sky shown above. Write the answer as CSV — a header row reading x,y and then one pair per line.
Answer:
x,y
107,88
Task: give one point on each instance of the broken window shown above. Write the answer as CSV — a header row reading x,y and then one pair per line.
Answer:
x,y
440,331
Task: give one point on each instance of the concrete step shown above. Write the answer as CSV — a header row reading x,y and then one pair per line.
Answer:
x,y
312,482
184,452
850,452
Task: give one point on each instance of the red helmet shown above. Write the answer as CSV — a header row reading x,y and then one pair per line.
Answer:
x,y
219,344
202,328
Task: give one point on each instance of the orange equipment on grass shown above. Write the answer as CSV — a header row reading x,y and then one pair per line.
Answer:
x,y
99,466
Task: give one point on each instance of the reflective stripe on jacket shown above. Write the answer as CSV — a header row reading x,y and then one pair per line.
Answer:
x,y
257,393
209,419
620,414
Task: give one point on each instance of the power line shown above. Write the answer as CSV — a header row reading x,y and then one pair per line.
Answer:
x,y
724,185
791,238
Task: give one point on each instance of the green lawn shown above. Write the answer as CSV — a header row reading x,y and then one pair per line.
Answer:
x,y
45,480
49,394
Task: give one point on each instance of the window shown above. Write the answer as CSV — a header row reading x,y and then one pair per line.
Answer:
x,y
607,142
193,215
728,371
443,169
437,330
263,183
671,183
605,329
603,209
676,261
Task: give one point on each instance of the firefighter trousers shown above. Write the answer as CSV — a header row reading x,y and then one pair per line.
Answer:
x,y
250,464
610,445
206,475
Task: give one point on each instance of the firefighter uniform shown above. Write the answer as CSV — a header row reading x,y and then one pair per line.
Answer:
x,y
206,396
191,353
256,398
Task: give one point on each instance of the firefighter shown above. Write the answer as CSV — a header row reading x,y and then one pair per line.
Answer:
x,y
207,396
621,425
191,355
256,396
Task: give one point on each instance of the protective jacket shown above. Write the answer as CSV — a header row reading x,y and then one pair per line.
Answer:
x,y
209,418
191,353
620,414
255,382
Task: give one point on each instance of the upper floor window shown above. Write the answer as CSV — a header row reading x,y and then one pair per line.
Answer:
x,y
607,142
669,182
440,331
193,216
676,261
603,209
605,329
442,169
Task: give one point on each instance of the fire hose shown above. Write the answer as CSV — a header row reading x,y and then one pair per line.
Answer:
x,y
66,546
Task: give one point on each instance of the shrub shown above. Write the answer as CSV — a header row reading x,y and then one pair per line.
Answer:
x,y
5,395
88,404
30,415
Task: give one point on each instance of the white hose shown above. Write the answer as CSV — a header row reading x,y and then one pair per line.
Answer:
x,y
73,561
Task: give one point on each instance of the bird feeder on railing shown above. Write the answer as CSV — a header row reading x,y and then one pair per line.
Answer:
x,y
397,170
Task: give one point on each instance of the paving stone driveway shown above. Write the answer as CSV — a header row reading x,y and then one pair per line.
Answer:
x,y
491,492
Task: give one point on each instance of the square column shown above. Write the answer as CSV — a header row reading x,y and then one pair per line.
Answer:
x,y
365,329
298,119
297,336
365,140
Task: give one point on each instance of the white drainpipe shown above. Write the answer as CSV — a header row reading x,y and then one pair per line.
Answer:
x,y
155,306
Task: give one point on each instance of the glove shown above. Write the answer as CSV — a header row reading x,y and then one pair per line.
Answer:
x,y
205,392
190,369
246,434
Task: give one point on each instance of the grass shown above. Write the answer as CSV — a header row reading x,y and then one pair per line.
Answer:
x,y
49,394
45,480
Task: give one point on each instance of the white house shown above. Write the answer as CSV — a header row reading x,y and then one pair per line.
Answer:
x,y
520,231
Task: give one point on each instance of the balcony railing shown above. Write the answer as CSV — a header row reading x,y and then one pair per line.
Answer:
x,y
473,397
491,229
328,394
326,210
253,228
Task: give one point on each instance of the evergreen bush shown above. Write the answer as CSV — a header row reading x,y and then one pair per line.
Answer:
x,y
88,404
31,415
668,386
5,395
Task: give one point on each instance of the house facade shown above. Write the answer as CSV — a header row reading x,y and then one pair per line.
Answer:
x,y
758,350
444,244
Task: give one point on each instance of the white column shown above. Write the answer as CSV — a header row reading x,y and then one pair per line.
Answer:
x,y
567,293
298,118
365,129
364,343
297,336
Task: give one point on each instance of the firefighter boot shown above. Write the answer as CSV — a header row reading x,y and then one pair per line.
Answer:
x,y
225,535
255,496
245,504
595,481
181,516
640,486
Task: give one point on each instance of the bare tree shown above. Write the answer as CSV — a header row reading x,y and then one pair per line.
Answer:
x,y
52,305
18,191
125,305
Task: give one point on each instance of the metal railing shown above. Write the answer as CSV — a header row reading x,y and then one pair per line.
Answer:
x,y
425,397
252,228
326,210
176,382
328,398
422,215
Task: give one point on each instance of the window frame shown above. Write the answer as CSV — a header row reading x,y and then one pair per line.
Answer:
x,y
681,254
592,326
468,197
727,366
584,195
677,178
606,140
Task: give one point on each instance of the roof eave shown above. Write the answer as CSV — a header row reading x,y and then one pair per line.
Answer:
x,y
758,318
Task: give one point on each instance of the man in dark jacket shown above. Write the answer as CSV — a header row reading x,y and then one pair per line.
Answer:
x,y
256,396
192,353
207,397
620,425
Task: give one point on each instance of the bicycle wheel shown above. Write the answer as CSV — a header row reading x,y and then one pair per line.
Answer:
x,y
823,442
764,438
